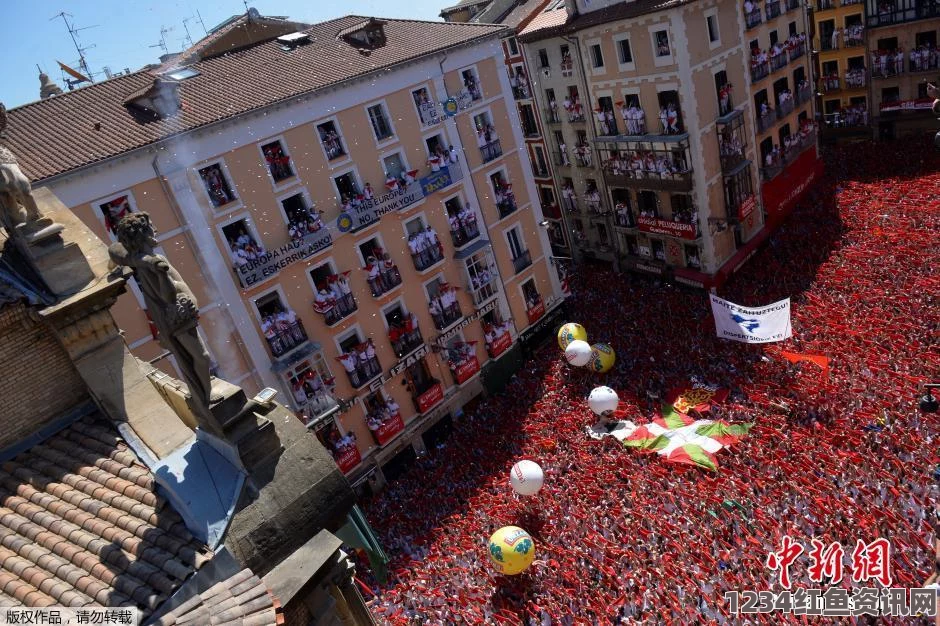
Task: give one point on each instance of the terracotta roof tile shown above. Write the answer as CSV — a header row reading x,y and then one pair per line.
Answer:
x,y
81,524
92,124
553,25
241,600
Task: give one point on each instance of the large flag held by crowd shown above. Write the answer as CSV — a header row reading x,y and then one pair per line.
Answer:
x,y
763,324
676,436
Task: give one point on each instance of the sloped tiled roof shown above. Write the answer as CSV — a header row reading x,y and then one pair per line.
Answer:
x,y
91,124
553,25
81,524
241,600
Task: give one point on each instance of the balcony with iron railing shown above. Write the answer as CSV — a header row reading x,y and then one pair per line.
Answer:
x,y
530,130
552,117
887,65
856,79
804,93
540,171
854,38
753,19
766,120
788,155
363,371
521,91
560,158
674,179
333,309
772,8
830,83
463,230
582,156
731,155
785,107
506,206
428,256
825,5
444,316
382,277
405,338
778,61
798,50
522,261
923,60
570,204
759,71
283,340
849,118
791,5
490,151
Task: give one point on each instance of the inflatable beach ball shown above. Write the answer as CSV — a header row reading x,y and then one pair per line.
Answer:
x,y
569,332
602,357
578,353
603,400
511,550
526,478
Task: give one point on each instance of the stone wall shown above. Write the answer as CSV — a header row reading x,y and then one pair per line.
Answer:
x,y
38,382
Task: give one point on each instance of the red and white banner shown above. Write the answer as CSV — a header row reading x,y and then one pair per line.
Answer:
x,y
659,226
907,105
465,370
389,428
430,397
499,345
785,190
347,458
536,312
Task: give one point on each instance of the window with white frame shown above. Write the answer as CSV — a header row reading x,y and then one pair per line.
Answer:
x,y
279,323
597,56
661,43
531,294
481,276
471,83
381,125
217,185
513,46
428,111
277,160
302,218
711,23
624,52
331,140
243,244
486,132
423,243
311,384
394,168
114,210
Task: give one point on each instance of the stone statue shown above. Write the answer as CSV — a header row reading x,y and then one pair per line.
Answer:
x,y
171,306
18,211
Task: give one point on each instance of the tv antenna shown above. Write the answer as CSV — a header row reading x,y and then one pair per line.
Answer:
x,y
188,39
82,63
201,23
162,44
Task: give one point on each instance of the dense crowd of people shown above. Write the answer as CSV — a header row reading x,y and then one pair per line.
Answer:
x,y
625,538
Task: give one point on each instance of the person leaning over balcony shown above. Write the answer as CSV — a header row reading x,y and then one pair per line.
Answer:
x,y
348,360
374,276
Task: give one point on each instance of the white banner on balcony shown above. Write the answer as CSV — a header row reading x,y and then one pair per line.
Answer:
x,y
763,324
273,261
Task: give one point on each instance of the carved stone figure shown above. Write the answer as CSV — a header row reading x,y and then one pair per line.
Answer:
x,y
17,206
171,306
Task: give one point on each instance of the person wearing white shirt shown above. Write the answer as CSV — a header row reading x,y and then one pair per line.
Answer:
x,y
452,154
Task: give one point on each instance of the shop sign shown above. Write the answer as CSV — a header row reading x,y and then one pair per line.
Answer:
x,y
659,226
